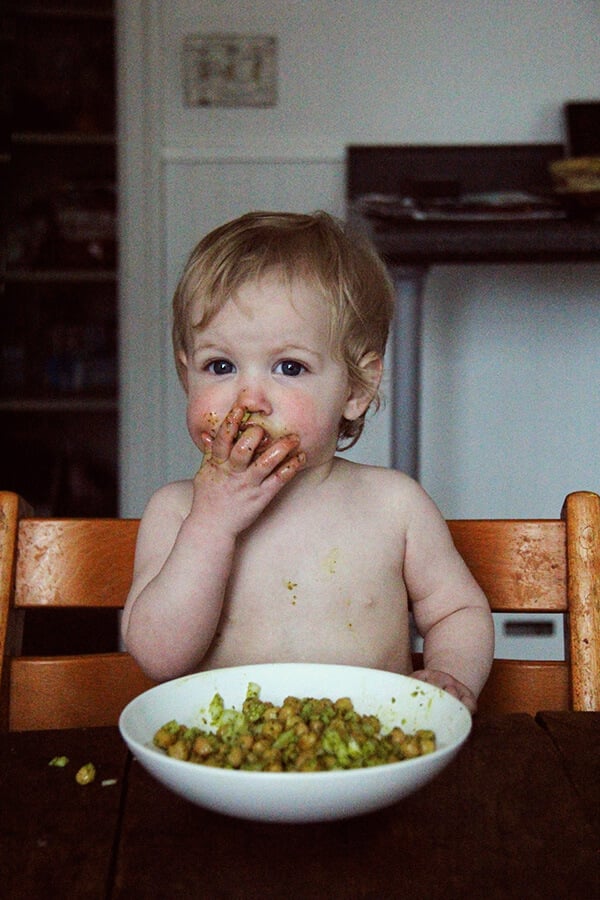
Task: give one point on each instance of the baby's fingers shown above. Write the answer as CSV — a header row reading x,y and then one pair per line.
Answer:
x,y
450,684
286,471
275,456
246,448
222,443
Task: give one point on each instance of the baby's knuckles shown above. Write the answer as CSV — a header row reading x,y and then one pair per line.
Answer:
x,y
226,500
235,497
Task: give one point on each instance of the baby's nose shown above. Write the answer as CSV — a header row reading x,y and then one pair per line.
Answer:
x,y
253,397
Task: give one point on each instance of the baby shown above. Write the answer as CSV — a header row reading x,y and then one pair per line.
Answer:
x,y
279,550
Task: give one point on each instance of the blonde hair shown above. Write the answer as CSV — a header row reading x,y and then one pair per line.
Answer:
x,y
339,264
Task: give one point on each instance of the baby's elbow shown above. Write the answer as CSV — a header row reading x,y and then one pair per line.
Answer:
x,y
156,668
149,660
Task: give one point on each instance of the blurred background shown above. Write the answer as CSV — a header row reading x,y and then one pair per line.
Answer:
x,y
112,168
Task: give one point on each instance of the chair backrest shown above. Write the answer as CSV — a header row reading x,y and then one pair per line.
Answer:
x,y
66,563
522,565
542,566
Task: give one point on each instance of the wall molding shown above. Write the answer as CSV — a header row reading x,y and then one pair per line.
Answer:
x,y
224,155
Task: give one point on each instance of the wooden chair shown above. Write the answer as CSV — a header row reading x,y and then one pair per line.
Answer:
x,y
542,566
66,563
524,566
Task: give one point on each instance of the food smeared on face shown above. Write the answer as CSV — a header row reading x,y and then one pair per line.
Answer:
x,y
213,423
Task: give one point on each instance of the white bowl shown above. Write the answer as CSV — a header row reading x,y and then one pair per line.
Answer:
x,y
296,796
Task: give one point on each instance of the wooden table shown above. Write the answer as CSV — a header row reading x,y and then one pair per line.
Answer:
x,y
517,814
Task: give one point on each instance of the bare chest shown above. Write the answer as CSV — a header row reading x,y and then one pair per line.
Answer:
x,y
315,595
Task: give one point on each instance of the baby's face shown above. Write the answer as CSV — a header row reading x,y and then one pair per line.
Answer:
x,y
267,350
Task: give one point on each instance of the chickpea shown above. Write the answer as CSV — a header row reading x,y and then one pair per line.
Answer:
x,y
86,774
289,709
344,704
306,762
272,756
202,746
272,729
373,723
426,740
235,757
246,742
260,747
410,747
397,736
179,750
307,740
165,737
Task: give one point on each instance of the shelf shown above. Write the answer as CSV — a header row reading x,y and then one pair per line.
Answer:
x,y
437,243
404,170
61,276
59,11
59,405
63,138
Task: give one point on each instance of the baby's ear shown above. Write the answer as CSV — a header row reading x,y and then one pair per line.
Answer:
x,y
362,393
182,368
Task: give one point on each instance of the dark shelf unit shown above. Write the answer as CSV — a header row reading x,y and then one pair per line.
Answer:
x,y
58,364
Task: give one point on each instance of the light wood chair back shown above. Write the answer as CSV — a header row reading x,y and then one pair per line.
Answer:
x,y
542,566
522,565
66,563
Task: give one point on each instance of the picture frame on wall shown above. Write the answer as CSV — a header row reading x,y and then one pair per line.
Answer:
x,y
230,70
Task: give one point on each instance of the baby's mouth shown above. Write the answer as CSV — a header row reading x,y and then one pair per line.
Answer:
x,y
266,440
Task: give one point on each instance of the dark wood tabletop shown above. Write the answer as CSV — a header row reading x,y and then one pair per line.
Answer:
x,y
517,814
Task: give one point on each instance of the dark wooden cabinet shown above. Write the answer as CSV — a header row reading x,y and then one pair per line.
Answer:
x,y
59,346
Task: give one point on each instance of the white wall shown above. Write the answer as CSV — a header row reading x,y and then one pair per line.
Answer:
x,y
511,399
511,376
416,71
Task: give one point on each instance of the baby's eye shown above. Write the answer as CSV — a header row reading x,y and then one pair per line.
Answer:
x,y
289,367
220,367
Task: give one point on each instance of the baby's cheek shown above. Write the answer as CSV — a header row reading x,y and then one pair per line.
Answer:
x,y
309,422
201,421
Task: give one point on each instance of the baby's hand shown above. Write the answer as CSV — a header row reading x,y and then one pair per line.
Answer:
x,y
242,470
449,684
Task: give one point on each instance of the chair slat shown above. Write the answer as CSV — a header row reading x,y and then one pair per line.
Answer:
x,y
528,686
74,562
72,691
522,686
520,565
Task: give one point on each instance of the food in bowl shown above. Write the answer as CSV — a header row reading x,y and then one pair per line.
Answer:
x,y
305,734
320,796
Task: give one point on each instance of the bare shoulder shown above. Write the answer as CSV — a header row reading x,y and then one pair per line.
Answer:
x,y
174,499
391,489
162,518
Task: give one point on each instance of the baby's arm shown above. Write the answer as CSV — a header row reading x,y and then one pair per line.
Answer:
x,y
184,556
450,609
